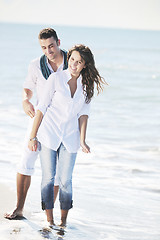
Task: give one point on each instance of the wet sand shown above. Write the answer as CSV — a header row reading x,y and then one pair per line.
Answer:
x,y
7,200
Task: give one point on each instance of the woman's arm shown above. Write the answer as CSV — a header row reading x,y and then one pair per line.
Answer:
x,y
33,139
83,127
44,102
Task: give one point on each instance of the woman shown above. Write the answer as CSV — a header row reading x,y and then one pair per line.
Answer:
x,y
65,110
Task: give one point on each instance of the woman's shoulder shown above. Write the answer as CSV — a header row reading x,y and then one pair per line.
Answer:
x,y
57,79
59,74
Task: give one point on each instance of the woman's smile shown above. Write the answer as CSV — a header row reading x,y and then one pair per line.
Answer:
x,y
76,63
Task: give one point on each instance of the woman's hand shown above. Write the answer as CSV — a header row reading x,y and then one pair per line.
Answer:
x,y
28,108
85,147
33,145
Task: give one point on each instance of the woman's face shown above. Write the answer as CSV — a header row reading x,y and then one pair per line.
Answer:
x,y
75,64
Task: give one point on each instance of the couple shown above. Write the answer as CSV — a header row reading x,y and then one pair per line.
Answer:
x,y
58,125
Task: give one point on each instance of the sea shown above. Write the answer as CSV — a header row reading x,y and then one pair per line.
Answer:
x,y
116,188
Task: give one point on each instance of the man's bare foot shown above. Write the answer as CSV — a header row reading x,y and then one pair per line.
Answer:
x,y
14,214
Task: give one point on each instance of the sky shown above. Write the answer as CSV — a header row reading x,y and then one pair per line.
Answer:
x,y
130,14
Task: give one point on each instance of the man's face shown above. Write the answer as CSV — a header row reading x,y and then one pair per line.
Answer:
x,y
50,47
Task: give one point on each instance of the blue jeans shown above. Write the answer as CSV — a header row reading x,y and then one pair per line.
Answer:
x,y
66,163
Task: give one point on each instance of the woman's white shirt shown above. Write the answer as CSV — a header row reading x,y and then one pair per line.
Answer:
x,y
61,112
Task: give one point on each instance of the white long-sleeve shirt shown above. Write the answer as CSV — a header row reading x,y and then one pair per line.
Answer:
x,y
35,80
61,112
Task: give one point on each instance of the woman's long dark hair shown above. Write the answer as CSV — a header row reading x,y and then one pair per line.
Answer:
x,y
90,74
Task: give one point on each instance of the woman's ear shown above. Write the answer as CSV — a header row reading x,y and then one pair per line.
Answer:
x,y
58,42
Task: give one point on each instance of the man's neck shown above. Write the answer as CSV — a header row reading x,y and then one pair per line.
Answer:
x,y
56,62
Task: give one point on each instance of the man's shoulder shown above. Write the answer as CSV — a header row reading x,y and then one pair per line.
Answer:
x,y
35,62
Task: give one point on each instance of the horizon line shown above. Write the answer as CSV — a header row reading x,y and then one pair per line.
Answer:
x,y
80,26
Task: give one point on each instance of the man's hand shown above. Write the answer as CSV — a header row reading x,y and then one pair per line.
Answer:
x,y
28,108
85,147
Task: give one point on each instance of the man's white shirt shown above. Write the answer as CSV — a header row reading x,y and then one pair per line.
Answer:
x,y
35,80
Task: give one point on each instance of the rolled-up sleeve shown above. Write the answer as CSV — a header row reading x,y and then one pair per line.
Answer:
x,y
85,110
49,91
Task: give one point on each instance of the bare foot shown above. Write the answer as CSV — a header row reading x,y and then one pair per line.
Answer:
x,y
13,214
51,224
63,224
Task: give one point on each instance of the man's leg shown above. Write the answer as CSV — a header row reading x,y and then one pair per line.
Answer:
x,y
26,167
24,172
23,184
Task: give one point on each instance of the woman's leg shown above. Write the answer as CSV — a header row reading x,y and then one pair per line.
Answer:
x,y
48,164
64,214
56,183
66,163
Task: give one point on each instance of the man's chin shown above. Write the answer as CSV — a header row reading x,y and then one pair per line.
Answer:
x,y
51,58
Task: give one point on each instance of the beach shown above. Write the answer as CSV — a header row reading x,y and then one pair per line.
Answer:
x,y
7,200
15,229
116,188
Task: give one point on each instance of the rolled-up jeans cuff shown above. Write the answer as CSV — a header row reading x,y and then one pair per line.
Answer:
x,y
66,205
47,205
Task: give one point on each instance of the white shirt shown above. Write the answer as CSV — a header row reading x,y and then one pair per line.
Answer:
x,y
61,112
35,80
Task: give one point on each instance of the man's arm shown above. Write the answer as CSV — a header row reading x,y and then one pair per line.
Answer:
x,y
83,127
27,105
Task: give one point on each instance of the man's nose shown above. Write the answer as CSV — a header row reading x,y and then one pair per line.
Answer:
x,y
48,50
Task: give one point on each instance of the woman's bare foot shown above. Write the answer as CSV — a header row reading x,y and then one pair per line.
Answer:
x,y
64,214
51,222
63,223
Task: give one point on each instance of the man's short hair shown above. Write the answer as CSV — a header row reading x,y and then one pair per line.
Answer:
x,y
47,33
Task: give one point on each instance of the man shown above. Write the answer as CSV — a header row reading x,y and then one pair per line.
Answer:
x,y
53,60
